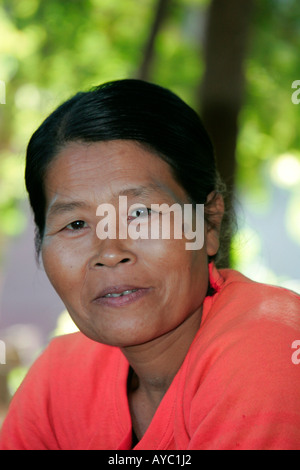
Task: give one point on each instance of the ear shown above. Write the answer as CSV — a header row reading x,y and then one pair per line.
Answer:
x,y
214,212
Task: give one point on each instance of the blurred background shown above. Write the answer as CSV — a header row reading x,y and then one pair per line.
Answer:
x,y
236,62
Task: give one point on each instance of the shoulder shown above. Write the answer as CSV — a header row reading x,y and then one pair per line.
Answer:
x,y
244,299
240,366
67,360
247,326
248,330
77,344
72,373
78,355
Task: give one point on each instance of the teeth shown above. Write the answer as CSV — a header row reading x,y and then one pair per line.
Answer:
x,y
121,294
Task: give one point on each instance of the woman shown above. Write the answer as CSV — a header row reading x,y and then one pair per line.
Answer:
x,y
171,353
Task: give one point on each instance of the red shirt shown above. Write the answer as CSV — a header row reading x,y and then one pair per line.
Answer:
x,y
238,387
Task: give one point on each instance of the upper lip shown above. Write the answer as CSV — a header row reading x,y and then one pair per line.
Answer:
x,y
116,289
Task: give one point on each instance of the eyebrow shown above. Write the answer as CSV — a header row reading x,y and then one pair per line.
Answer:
x,y
62,207
65,206
142,190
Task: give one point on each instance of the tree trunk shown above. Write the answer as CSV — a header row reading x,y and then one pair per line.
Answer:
x,y
222,87
223,81
160,15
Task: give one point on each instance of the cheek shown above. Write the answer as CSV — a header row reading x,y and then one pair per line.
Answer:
x,y
161,258
189,273
63,268
177,268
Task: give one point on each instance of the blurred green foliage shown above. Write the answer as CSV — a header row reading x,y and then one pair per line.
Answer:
x,y
51,49
269,120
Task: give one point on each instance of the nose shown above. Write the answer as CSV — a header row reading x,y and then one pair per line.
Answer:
x,y
111,253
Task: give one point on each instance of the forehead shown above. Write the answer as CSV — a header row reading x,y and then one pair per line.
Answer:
x,y
109,168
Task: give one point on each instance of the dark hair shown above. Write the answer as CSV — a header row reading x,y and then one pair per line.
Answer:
x,y
125,109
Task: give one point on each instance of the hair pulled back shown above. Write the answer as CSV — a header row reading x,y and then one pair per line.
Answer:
x,y
131,110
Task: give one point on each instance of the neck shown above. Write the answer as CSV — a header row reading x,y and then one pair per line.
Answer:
x,y
156,363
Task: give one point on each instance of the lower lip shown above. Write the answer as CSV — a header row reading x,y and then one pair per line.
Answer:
x,y
123,299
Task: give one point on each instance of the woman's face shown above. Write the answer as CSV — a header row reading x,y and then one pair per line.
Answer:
x,y
162,283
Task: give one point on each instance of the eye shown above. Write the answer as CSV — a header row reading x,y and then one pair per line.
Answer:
x,y
140,212
76,225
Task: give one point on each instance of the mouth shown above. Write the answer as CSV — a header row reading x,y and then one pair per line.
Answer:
x,y
120,295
